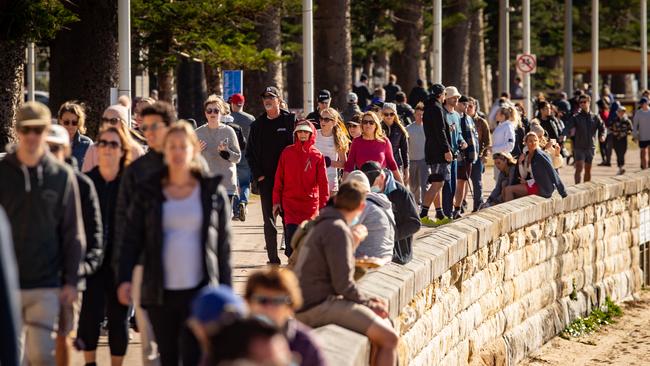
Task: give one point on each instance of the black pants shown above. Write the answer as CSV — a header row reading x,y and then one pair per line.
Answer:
x,y
173,336
289,231
100,298
270,231
620,146
606,149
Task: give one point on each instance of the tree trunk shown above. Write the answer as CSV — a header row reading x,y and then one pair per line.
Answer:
x,y
477,74
83,62
12,68
213,79
190,84
455,48
165,76
255,81
406,64
333,49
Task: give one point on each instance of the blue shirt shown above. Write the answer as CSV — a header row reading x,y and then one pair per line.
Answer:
x,y
453,120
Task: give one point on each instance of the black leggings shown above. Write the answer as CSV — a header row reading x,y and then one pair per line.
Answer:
x,y
173,336
99,299
270,231
620,146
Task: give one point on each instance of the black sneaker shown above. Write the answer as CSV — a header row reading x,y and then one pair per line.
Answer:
x,y
242,211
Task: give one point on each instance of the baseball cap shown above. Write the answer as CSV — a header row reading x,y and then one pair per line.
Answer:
x,y
390,106
451,92
352,98
463,99
121,110
303,126
643,100
33,114
324,95
237,99
213,302
358,176
437,89
272,91
372,170
56,134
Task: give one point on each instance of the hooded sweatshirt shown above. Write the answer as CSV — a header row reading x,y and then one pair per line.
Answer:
x,y
301,180
378,218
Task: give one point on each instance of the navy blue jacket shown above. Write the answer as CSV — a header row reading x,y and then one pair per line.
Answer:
x,y
80,145
545,176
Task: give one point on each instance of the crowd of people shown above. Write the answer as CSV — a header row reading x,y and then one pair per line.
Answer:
x,y
138,221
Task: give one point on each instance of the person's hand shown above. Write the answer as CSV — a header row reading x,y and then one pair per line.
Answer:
x,y
379,307
359,234
463,145
124,293
277,208
448,156
203,144
602,138
222,146
68,295
260,178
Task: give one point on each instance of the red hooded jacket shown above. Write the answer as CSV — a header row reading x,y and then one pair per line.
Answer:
x,y
301,180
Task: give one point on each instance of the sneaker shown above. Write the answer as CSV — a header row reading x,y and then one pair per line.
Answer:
x,y
242,211
621,171
427,221
442,221
456,215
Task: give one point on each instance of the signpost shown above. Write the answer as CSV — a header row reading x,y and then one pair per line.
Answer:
x,y
233,81
527,63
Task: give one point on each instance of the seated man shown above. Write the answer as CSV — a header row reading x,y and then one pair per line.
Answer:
x,y
407,221
325,268
378,219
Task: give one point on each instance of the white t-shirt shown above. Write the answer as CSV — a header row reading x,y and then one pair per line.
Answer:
x,y
182,248
327,147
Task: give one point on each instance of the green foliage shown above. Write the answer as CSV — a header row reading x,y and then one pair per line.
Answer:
x,y
33,21
372,29
598,318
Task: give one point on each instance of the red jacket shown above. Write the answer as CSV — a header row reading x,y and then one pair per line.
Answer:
x,y
301,181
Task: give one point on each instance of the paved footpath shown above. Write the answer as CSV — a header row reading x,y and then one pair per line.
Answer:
x,y
248,253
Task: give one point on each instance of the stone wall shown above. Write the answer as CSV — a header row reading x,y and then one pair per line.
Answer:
x,y
494,286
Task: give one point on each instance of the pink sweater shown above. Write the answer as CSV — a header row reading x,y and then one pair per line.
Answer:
x,y
363,151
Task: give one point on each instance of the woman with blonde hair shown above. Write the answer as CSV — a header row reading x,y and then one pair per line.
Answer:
x,y
372,145
72,116
549,146
398,137
332,141
179,228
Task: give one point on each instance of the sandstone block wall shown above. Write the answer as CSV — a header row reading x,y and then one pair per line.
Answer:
x,y
494,286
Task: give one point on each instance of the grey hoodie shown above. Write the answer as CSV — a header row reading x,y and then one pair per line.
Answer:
x,y
380,222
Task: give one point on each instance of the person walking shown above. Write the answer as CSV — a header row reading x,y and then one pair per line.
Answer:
x,y
619,130
156,120
418,94
392,88
398,136
584,126
333,143
437,153
418,168
403,109
362,91
325,268
269,135
179,228
371,145
100,297
219,144
641,130
72,117
39,192
300,189
351,108
324,100
354,126
485,146
58,141
244,121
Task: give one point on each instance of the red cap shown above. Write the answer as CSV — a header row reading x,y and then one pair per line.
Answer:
x,y
236,99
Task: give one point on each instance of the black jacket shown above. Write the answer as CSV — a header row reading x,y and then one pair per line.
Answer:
x,y
9,304
266,141
43,206
399,143
407,220
143,237
108,195
363,93
406,113
391,92
436,132
139,171
92,219
552,127
418,94
586,126
314,118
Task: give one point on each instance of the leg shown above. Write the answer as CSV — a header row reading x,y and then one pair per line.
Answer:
x,y
270,232
461,186
150,356
91,316
477,183
289,231
414,180
512,192
385,339
40,312
644,157
190,350
587,172
118,323
579,165
166,327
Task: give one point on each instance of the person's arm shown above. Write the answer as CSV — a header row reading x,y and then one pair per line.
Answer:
x,y
602,133
323,186
90,159
72,233
570,123
224,239
124,195
132,239
391,164
557,181
349,164
340,261
404,151
278,185
232,153
252,152
92,218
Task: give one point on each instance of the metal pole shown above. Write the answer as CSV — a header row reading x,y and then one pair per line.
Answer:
x,y
526,31
31,71
594,55
504,46
308,55
644,44
568,47
124,37
437,41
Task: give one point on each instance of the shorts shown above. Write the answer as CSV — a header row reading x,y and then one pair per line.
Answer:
x,y
586,155
464,170
644,144
440,172
532,189
337,310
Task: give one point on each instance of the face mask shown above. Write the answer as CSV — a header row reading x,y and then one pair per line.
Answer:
x,y
375,189
355,220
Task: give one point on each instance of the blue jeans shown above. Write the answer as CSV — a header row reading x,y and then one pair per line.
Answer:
x,y
244,182
449,190
477,182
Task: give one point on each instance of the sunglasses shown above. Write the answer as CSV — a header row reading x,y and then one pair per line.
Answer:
x,y
153,127
26,130
327,119
114,121
212,111
266,97
352,126
66,122
584,102
271,300
389,114
367,122
110,144
54,148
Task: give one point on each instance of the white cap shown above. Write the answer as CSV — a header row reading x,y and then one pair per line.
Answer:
x,y
352,98
58,135
451,91
358,176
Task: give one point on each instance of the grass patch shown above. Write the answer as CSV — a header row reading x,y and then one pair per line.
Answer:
x,y
599,317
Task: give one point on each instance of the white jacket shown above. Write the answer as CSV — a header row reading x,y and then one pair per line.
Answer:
x,y
503,137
